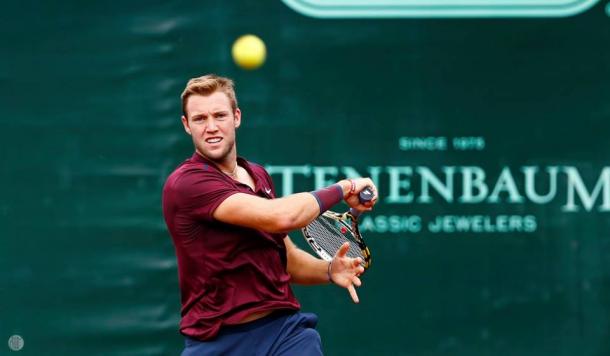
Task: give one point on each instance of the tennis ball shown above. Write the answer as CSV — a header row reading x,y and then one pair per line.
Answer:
x,y
249,52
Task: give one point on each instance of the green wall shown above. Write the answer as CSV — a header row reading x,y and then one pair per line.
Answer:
x,y
89,130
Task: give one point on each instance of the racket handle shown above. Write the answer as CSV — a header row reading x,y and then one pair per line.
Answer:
x,y
365,195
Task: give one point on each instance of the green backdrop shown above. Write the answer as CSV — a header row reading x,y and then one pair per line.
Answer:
x,y
89,130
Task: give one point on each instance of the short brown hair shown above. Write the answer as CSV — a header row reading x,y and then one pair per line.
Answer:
x,y
207,85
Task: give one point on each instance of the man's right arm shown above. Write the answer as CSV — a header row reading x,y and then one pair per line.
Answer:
x,y
282,214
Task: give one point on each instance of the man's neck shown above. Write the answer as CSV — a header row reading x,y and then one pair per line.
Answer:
x,y
227,165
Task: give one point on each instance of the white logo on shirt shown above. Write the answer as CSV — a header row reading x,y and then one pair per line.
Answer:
x,y
267,191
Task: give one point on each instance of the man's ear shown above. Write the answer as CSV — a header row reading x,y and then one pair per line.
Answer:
x,y
237,117
185,123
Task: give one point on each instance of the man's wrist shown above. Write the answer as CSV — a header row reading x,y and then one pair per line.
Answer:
x,y
328,272
329,196
348,186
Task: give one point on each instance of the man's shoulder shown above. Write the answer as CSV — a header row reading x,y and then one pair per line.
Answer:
x,y
262,175
186,171
258,169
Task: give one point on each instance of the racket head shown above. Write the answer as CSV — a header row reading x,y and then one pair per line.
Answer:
x,y
329,231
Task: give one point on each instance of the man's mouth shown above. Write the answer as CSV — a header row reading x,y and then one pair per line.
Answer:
x,y
213,139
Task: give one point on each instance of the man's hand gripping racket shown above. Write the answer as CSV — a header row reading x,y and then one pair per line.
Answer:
x,y
336,238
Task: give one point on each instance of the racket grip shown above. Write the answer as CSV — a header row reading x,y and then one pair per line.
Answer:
x,y
365,195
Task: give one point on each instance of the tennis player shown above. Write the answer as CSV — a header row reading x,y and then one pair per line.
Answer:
x,y
235,259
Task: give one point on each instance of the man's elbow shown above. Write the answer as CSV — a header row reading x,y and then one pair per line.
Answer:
x,y
283,221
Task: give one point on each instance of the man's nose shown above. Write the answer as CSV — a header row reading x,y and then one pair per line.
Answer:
x,y
212,125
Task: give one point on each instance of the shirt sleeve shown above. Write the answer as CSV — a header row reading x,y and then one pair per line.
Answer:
x,y
201,192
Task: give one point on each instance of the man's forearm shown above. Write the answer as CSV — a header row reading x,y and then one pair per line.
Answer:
x,y
275,215
305,268
299,213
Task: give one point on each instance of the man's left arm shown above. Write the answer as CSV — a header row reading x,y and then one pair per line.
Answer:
x,y
309,270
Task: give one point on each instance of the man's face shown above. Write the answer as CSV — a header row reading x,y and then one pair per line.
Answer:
x,y
211,123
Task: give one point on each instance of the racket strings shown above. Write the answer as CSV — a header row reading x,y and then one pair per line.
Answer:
x,y
329,234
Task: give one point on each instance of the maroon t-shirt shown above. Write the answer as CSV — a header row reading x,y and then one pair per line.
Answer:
x,y
226,271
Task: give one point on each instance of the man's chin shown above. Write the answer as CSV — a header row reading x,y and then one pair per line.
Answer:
x,y
213,156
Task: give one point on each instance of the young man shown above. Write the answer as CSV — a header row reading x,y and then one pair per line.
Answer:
x,y
235,261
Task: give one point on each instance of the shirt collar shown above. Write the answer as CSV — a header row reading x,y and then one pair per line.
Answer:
x,y
196,157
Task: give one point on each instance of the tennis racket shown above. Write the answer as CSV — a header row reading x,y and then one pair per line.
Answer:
x,y
330,230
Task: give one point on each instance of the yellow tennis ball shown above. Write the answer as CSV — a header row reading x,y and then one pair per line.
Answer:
x,y
249,52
